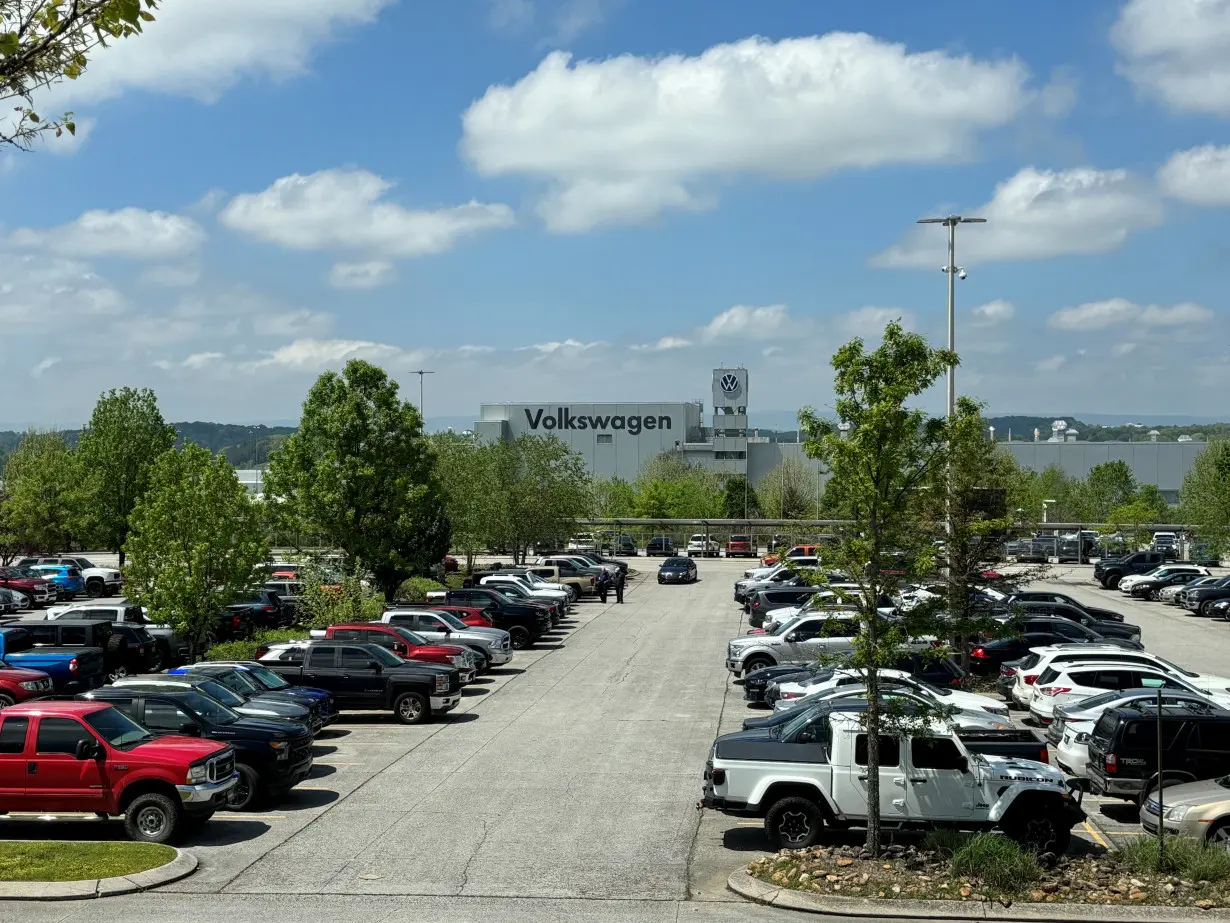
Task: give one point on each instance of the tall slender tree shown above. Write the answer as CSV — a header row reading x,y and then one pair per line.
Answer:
x,y
118,449
43,497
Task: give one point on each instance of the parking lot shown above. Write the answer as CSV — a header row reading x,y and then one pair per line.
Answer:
x,y
570,776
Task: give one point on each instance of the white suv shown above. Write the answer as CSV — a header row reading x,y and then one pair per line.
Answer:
x,y
1066,683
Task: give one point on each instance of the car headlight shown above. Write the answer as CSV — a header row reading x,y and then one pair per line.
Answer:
x,y
1177,813
281,748
457,660
1080,738
197,774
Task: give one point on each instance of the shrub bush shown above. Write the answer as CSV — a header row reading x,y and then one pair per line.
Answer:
x,y
1001,863
1189,858
415,589
246,650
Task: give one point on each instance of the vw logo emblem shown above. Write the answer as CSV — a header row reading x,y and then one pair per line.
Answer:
x,y
730,384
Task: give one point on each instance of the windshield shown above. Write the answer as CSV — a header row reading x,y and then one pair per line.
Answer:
x,y
267,678
1175,667
221,693
453,622
384,656
242,683
1224,781
786,625
407,635
84,562
117,729
205,707
794,725
1098,702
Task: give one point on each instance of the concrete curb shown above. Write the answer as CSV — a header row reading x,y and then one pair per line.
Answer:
x,y
183,865
762,892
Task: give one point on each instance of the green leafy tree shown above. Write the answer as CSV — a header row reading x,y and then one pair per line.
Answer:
x,y
466,479
360,472
43,42
739,499
614,498
331,600
1108,485
669,488
789,490
1147,505
890,452
969,495
542,489
1204,498
42,508
125,437
196,538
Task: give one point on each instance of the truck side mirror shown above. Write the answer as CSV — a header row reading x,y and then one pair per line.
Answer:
x,y
373,665
190,729
87,750
793,636
963,764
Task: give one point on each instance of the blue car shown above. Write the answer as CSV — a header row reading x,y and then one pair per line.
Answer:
x,y
262,678
66,579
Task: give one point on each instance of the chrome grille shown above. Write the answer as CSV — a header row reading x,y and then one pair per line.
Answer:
x,y
221,767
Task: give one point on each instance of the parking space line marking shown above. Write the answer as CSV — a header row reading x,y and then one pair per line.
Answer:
x,y
1096,836
239,815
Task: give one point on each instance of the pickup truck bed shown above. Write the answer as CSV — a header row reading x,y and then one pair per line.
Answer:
x,y
1014,744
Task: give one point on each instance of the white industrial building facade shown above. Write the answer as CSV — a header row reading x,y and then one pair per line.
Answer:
x,y
617,439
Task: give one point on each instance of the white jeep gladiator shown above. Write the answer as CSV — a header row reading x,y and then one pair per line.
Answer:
x,y
812,772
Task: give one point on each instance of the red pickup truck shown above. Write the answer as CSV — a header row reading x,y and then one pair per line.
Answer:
x,y
18,685
474,616
69,757
406,644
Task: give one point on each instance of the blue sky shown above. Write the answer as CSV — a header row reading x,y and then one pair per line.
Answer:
x,y
598,200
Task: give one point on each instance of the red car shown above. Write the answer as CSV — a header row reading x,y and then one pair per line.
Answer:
x,y
41,592
59,757
407,645
740,546
19,685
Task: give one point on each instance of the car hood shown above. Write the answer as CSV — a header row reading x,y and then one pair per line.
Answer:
x,y
262,707
1210,681
1193,793
441,650
1011,769
742,745
495,635
746,640
971,701
175,747
19,675
263,727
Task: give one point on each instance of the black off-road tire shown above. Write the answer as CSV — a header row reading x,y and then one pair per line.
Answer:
x,y
1039,830
793,823
519,637
95,589
247,792
1112,581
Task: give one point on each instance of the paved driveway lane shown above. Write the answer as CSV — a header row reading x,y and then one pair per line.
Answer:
x,y
578,779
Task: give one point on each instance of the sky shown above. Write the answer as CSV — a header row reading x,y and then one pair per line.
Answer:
x,y
601,200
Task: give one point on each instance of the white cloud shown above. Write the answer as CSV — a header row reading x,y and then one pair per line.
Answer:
x,y
1039,214
366,275
316,354
510,15
741,321
1123,349
563,346
1200,175
132,233
666,343
622,139
171,276
203,48
993,312
1050,364
201,360
869,321
1177,51
577,16
43,366
1098,315
342,210
35,288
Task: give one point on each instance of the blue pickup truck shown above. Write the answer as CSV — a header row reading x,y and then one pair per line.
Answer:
x,y
72,669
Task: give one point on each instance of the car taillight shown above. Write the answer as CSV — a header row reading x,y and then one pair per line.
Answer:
x,y
1044,755
1111,763
719,777
1031,678
72,665
790,695
1053,690
234,621
268,609
261,651
979,653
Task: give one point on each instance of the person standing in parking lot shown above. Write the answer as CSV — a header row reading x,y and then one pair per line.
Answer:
x,y
619,587
604,585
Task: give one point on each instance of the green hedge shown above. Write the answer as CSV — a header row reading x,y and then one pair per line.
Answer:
x,y
415,589
246,650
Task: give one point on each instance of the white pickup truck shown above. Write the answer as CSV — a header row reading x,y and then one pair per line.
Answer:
x,y
699,546
812,773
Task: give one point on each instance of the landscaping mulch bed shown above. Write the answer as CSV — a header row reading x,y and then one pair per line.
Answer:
x,y
922,873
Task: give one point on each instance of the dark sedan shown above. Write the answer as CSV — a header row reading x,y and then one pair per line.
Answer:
x,y
1108,629
677,570
1152,588
754,683
1047,596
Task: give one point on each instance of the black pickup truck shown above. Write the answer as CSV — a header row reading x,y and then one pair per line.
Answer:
x,y
271,754
524,623
1109,571
366,677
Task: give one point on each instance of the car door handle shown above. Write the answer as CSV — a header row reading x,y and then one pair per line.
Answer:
x,y
345,676
31,768
917,779
863,778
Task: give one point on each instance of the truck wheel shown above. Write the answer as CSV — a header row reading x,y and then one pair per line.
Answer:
x,y
756,663
793,823
161,659
1206,608
519,637
6,700
411,708
1112,581
94,589
246,792
151,818
1040,832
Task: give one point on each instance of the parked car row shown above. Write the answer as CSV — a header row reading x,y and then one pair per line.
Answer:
x,y
1187,586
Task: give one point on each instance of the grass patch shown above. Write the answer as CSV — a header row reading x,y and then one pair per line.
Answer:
x,y
944,841
1186,857
59,861
1003,864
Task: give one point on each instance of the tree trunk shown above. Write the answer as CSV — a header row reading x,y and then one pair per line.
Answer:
x,y
121,557
873,689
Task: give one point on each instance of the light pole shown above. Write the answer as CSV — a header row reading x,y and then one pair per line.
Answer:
x,y
420,373
953,270
1046,505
